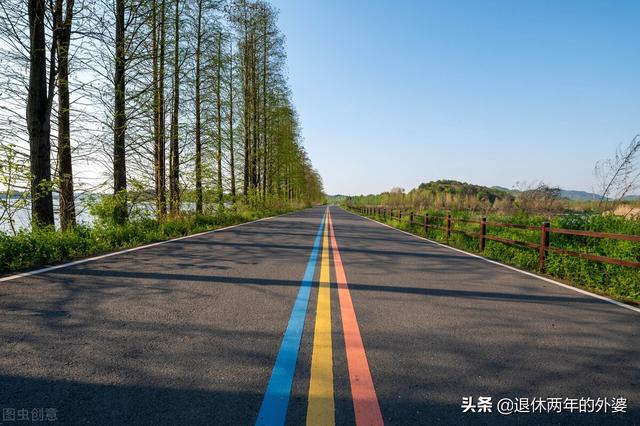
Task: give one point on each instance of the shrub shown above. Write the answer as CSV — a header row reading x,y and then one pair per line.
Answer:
x,y
46,246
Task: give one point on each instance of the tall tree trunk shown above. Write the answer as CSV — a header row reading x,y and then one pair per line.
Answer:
x,y
63,21
120,118
231,147
156,104
162,175
219,115
254,115
39,117
174,172
199,206
245,116
264,112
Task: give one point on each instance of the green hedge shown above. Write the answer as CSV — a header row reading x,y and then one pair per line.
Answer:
x,y
47,246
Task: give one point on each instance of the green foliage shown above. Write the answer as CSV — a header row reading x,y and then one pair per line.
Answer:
x,y
46,246
102,208
441,194
612,279
109,209
463,189
14,176
335,199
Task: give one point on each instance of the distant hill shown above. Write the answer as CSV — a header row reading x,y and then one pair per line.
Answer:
x,y
505,189
463,189
568,194
455,187
578,195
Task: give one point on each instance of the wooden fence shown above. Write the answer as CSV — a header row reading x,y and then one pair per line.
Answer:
x,y
446,224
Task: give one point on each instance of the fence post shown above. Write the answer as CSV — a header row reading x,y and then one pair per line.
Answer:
x,y
448,227
483,232
400,215
411,219
426,223
544,245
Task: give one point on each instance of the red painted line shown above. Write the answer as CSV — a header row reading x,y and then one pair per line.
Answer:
x,y
363,392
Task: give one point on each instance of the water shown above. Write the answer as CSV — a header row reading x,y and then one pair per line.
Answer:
x,y
22,217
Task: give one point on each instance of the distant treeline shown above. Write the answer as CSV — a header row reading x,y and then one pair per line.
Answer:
x,y
453,195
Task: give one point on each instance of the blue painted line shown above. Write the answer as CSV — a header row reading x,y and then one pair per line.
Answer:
x,y
276,398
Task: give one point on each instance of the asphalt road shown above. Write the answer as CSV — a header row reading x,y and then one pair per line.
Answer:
x,y
188,332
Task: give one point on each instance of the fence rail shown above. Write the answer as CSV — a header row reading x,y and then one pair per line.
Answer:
x,y
545,230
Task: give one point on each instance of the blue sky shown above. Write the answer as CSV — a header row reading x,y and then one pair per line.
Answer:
x,y
394,93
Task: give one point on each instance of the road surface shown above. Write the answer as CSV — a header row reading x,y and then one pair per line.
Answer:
x,y
310,317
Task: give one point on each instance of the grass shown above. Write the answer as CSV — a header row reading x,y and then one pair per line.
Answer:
x,y
47,246
619,282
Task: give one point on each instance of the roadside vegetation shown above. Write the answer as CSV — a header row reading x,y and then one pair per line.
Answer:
x,y
43,246
530,207
526,199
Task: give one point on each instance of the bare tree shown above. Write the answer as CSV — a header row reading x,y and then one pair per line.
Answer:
x,y
120,116
219,117
198,106
619,176
158,59
174,163
536,197
232,165
39,103
63,20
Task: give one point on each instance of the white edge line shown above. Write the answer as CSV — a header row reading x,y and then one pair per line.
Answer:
x,y
115,253
531,274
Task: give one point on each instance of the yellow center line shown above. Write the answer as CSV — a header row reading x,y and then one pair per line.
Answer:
x,y
320,409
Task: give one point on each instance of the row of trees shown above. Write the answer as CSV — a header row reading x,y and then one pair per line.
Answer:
x,y
116,88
